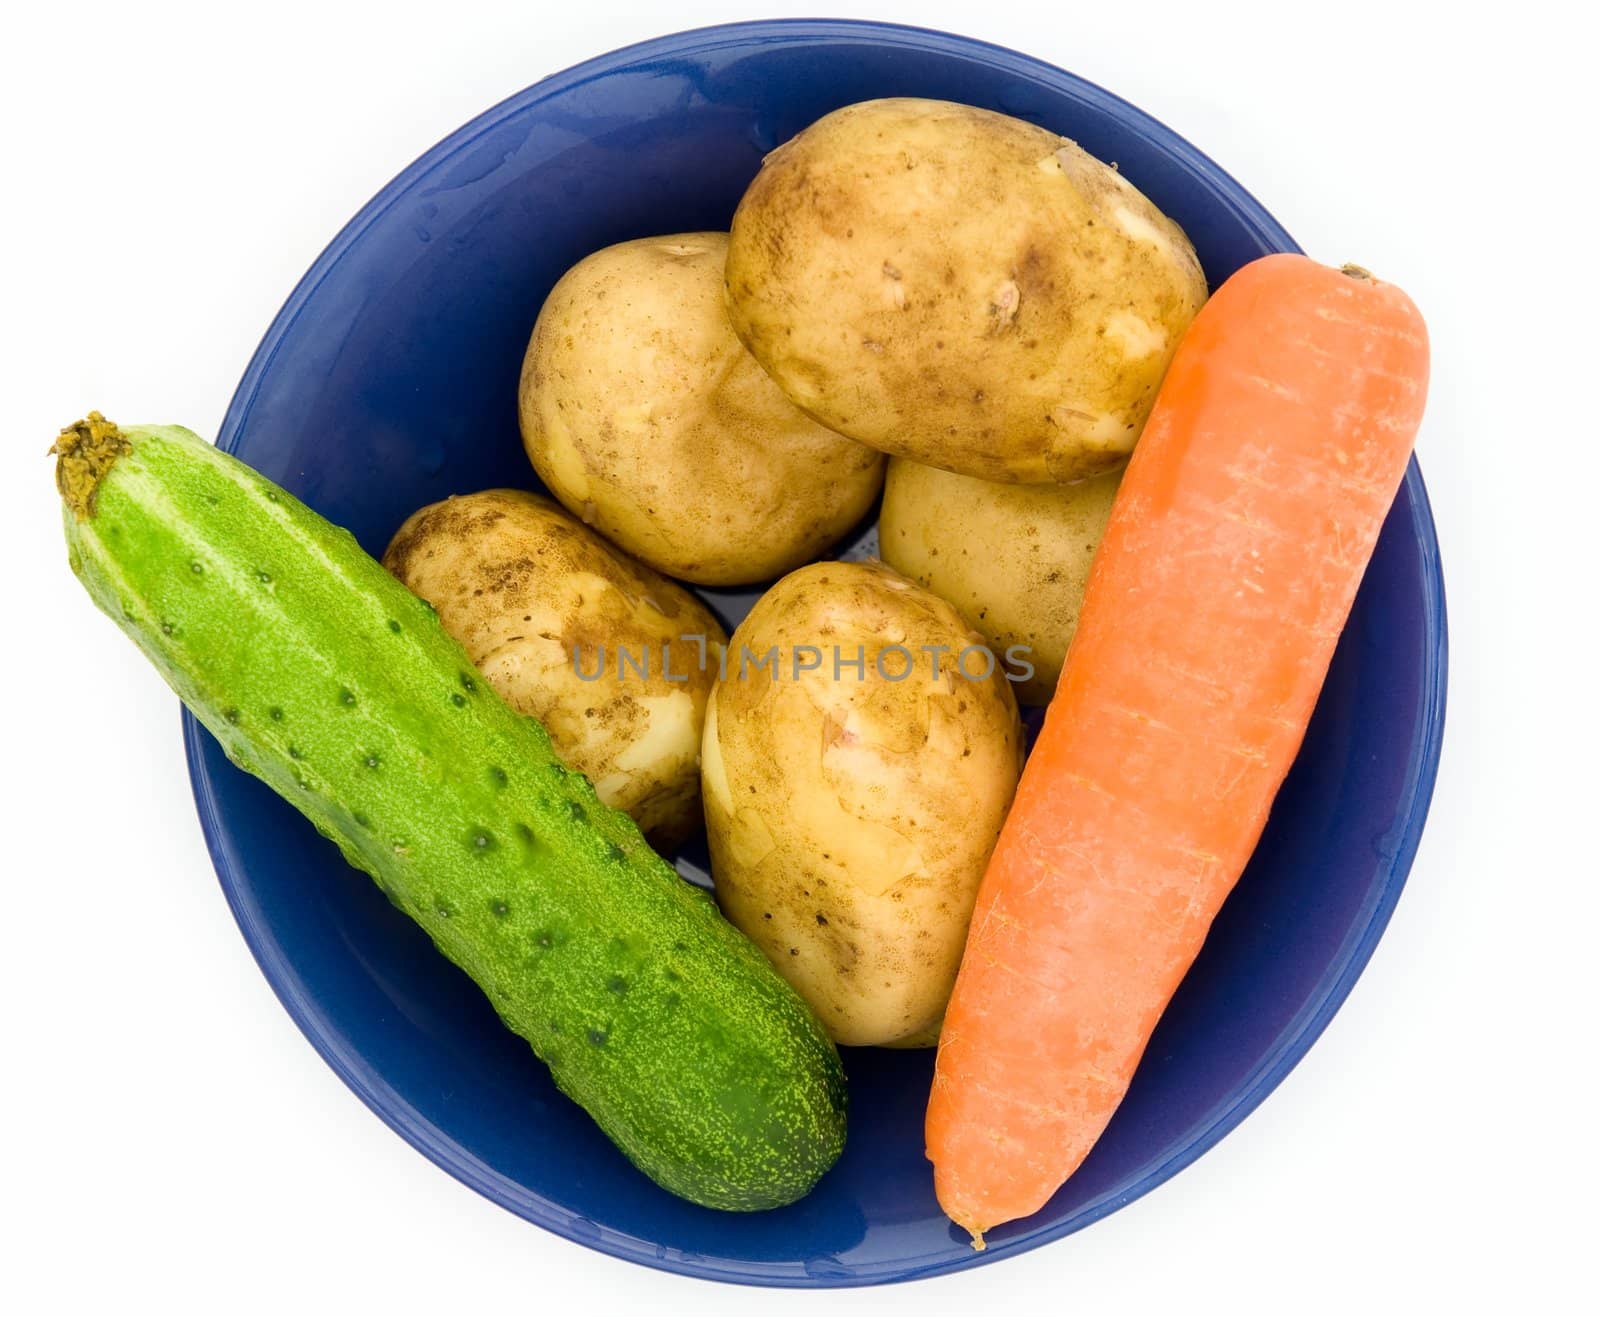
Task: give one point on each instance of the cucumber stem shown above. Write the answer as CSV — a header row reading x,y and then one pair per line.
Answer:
x,y
85,451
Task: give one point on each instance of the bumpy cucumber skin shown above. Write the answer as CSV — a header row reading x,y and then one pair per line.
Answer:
x,y
321,674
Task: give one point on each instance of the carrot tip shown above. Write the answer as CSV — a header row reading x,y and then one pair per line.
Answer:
x,y
977,1241
1356,271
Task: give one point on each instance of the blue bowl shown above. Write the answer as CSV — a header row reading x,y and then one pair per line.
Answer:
x,y
389,380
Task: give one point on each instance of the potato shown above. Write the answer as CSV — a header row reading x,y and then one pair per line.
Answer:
x,y
1013,559
522,586
850,817
961,288
643,414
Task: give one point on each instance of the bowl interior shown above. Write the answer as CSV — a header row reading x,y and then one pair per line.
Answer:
x,y
389,380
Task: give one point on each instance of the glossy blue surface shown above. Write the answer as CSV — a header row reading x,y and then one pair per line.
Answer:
x,y
389,380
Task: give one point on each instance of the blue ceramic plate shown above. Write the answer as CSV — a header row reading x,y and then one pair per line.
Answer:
x,y
389,380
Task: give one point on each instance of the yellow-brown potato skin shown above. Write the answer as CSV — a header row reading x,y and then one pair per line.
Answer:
x,y
645,416
962,288
519,584
850,820
1013,559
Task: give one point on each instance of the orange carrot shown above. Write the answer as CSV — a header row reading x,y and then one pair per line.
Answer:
x,y
1238,538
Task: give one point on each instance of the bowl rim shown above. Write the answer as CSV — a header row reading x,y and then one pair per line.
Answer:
x,y
1292,1043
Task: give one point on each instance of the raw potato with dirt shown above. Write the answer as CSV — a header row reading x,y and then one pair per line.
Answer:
x,y
851,811
1013,559
959,287
521,586
645,416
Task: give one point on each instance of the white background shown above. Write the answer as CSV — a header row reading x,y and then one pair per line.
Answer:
x,y
169,173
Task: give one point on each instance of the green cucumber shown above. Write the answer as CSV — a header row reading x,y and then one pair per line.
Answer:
x,y
322,675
